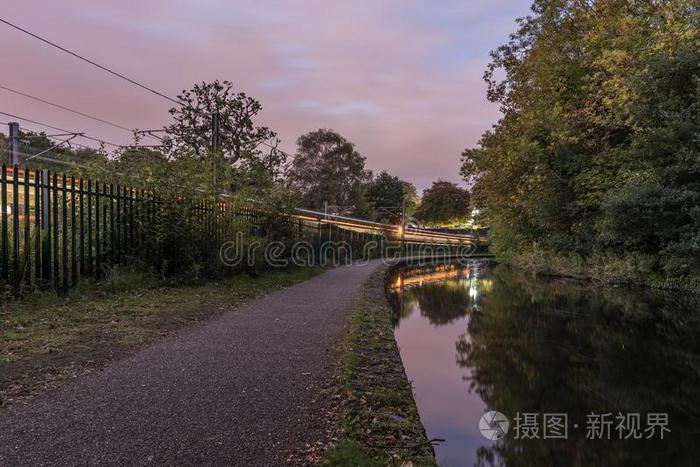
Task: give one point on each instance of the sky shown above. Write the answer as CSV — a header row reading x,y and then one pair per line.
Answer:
x,y
401,79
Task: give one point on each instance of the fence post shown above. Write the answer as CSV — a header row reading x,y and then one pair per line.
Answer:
x,y
56,244
37,225
118,225
90,269
81,188
73,249
15,226
5,239
14,143
27,266
64,236
46,225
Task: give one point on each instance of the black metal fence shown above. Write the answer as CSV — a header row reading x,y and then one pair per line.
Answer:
x,y
56,229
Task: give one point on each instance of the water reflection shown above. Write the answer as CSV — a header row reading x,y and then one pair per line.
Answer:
x,y
441,294
489,338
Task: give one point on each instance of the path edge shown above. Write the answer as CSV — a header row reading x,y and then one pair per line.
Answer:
x,y
378,419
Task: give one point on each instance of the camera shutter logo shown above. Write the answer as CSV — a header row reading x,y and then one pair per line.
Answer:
x,y
493,425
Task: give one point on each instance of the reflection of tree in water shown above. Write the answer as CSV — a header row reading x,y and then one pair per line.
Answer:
x,y
564,348
402,303
443,302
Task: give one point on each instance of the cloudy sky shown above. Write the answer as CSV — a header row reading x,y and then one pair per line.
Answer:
x,y
402,79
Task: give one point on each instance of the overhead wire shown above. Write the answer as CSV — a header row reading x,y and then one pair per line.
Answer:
x,y
57,145
55,139
49,159
82,135
77,112
59,106
52,137
106,69
91,62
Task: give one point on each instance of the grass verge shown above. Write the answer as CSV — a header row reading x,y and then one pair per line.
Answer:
x,y
630,269
46,338
379,419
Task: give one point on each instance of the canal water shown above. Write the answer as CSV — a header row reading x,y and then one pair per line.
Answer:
x,y
519,371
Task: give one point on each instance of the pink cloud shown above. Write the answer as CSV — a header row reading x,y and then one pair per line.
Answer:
x,y
374,70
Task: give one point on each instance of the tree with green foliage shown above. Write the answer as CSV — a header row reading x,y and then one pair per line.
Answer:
x,y
385,194
444,203
597,151
328,168
410,194
249,149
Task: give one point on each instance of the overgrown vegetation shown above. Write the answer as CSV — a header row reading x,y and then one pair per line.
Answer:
x,y
47,338
380,421
595,164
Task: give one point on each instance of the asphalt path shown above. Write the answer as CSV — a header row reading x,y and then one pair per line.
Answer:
x,y
242,389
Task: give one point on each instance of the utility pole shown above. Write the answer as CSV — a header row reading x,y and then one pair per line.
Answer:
x,y
14,143
215,143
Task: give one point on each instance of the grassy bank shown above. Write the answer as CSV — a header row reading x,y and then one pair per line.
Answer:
x,y
378,416
46,339
632,269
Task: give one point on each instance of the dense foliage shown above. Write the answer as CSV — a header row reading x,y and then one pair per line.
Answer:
x,y
597,154
328,169
444,203
388,195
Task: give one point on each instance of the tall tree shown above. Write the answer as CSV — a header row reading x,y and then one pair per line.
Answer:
x,y
385,193
327,168
243,144
444,203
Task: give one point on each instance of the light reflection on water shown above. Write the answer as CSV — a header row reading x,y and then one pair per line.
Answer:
x,y
479,338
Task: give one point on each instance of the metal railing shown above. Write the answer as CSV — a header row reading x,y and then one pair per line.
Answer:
x,y
56,229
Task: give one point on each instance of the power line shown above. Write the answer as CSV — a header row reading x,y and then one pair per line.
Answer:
x,y
63,49
77,112
82,135
49,159
57,145
35,122
53,137
149,133
73,143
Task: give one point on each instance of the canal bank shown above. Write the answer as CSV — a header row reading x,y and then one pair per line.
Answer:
x,y
379,420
